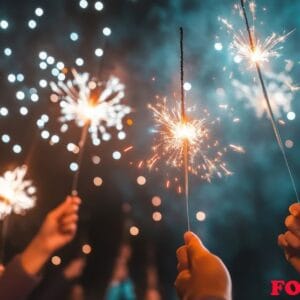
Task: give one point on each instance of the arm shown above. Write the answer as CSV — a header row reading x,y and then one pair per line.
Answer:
x,y
57,230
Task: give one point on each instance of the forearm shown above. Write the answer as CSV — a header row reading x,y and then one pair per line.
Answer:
x,y
34,257
16,283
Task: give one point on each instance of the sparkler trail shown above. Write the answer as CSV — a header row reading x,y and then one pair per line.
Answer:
x,y
266,96
184,121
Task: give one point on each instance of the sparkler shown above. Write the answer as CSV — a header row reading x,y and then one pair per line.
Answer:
x,y
257,53
186,144
17,195
94,106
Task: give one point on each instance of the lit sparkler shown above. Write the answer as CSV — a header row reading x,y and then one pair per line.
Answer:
x,y
205,155
94,106
256,52
17,194
186,143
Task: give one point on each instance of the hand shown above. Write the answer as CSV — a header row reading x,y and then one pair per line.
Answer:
x,y
2,269
202,275
74,269
58,229
290,240
60,225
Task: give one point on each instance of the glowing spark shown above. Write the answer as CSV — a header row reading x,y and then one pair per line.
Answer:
x,y
262,50
97,103
280,87
205,156
16,194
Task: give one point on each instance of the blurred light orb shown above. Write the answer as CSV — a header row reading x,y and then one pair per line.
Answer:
x,y
134,231
60,65
17,149
99,5
39,11
218,46
98,181
73,166
187,86
50,60
45,134
43,83
11,78
83,4
291,116
43,65
86,249
5,138
54,139
56,260
237,59
20,77
96,159
45,118
289,144
141,180
23,111
34,97
106,136
156,201
116,155
156,216
20,95
7,52
32,24
106,31
55,72
3,111
121,135
79,61
4,24
74,36
98,52
61,77
43,55
200,216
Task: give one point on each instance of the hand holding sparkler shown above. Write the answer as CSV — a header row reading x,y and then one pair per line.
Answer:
x,y
58,229
202,275
290,240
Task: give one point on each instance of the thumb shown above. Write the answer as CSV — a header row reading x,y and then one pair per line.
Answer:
x,y
60,210
195,248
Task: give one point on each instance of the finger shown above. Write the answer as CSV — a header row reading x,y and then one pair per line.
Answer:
x,y
69,219
292,240
293,224
70,228
60,210
181,283
282,241
182,258
195,248
75,200
294,209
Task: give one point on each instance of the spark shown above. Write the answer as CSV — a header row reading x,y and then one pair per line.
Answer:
x,y
17,194
205,155
84,100
261,51
280,87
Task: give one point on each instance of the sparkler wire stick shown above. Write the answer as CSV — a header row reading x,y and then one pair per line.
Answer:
x,y
266,96
81,145
3,232
186,142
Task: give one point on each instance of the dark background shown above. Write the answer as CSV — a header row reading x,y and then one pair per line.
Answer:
x,y
245,212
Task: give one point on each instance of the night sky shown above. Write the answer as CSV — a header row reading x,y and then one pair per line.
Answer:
x,y
244,212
